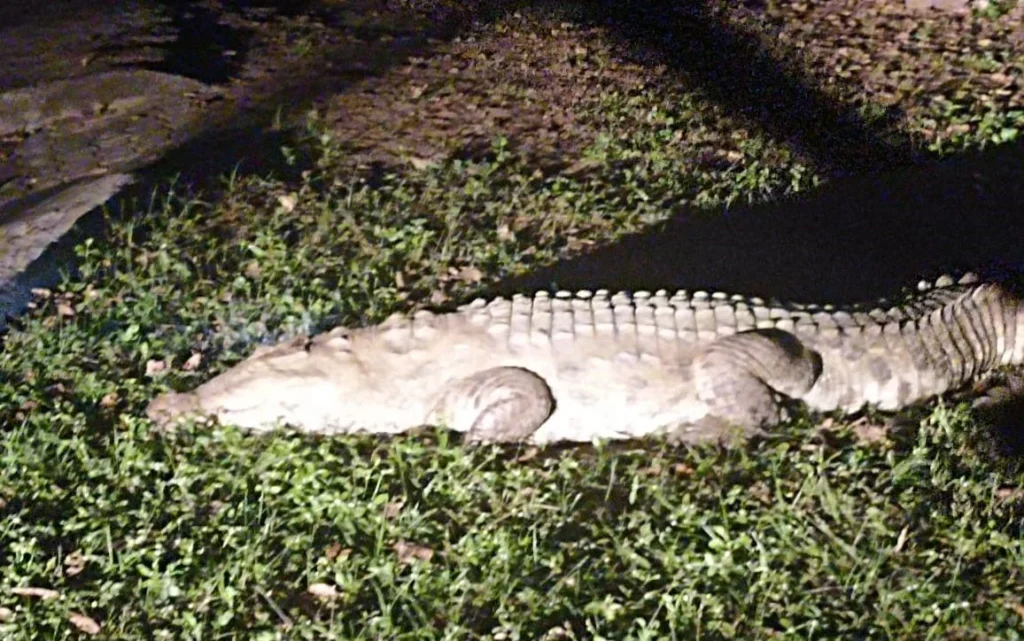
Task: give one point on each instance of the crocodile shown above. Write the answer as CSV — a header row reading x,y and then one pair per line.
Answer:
x,y
573,367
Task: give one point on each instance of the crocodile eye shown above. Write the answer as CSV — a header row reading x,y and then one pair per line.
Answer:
x,y
342,343
338,339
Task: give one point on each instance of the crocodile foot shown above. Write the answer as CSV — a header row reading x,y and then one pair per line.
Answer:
x,y
741,377
497,405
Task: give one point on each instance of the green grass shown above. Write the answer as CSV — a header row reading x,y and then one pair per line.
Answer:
x,y
214,534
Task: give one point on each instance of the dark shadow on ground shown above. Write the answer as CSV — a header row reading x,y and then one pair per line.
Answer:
x,y
891,215
855,239
731,65
199,166
232,138
858,238
205,48
736,70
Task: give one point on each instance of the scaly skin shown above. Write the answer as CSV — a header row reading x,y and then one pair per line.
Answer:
x,y
693,367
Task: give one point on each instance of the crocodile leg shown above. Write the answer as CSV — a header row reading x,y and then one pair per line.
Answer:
x,y
497,405
740,377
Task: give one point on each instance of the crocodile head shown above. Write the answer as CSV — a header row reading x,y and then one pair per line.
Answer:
x,y
303,382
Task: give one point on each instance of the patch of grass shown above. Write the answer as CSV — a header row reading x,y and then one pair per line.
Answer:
x,y
214,534
681,150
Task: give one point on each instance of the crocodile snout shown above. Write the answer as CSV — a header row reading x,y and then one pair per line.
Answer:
x,y
169,408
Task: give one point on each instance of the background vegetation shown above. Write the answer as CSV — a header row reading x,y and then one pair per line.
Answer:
x,y
824,531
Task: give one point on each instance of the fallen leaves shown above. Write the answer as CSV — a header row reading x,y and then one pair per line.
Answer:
x,y
193,362
1010,493
864,429
422,164
528,455
868,431
85,624
505,233
335,552
74,563
521,78
438,297
253,270
467,274
409,552
287,202
683,470
761,492
393,509
1017,607
323,591
901,540
109,400
82,622
45,594
154,367
63,302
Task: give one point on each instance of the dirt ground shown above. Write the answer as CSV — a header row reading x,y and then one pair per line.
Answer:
x,y
201,88
537,73
427,79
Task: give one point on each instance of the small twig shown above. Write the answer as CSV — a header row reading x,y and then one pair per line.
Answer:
x,y
285,619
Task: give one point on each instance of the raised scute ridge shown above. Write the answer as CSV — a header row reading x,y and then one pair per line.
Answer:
x,y
599,364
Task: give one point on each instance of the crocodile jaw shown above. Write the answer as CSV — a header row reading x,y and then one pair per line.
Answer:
x,y
317,384
261,403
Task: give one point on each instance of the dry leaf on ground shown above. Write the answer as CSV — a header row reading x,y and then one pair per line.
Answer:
x,y
84,623
193,362
323,591
42,593
74,563
408,552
